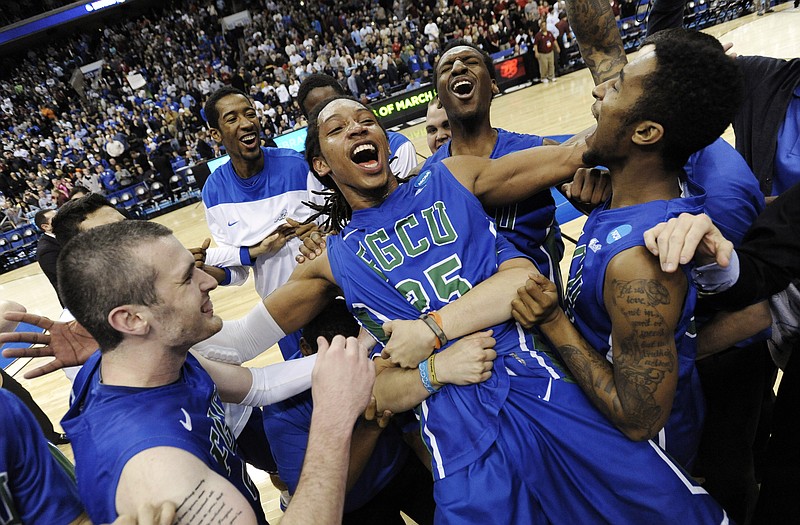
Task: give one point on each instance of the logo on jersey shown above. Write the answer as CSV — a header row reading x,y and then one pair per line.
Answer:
x,y
187,422
595,245
422,180
618,233
283,215
232,223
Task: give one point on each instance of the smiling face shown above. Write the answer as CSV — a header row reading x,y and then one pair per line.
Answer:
x,y
464,84
238,128
437,126
184,313
354,152
614,99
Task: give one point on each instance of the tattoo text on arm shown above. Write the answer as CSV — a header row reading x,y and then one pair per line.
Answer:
x,y
204,506
626,395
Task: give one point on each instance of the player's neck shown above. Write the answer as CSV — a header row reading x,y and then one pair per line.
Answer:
x,y
470,138
245,169
127,366
641,180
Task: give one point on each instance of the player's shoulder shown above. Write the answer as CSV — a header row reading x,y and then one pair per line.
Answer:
x,y
286,155
512,140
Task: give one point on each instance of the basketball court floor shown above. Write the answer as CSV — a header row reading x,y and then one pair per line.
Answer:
x,y
544,109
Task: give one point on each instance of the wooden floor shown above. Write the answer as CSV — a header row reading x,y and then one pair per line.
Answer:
x,y
547,109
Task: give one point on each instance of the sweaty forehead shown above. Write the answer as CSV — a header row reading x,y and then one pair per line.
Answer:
x,y
458,51
341,106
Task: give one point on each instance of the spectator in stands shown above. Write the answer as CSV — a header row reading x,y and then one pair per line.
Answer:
x,y
545,46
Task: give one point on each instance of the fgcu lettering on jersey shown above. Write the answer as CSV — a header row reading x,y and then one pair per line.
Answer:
x,y
386,249
220,436
223,443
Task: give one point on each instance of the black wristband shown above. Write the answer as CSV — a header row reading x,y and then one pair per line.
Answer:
x,y
437,331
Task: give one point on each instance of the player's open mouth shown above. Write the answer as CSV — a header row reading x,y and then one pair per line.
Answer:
x,y
462,87
250,140
208,307
365,155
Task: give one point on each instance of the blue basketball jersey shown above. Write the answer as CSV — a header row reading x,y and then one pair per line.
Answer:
x,y
436,244
530,225
34,488
608,232
109,425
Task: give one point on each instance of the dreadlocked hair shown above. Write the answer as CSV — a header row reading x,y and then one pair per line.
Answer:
x,y
336,209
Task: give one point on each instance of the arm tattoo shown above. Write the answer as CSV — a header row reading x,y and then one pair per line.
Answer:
x,y
625,391
598,37
204,506
645,356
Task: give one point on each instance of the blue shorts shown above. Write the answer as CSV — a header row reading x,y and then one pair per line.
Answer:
x,y
557,459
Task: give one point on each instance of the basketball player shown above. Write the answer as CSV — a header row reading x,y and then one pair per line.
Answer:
x,y
465,81
734,199
249,199
630,337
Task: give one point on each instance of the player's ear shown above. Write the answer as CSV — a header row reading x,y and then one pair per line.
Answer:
x,y
647,133
495,89
305,348
320,166
215,134
129,319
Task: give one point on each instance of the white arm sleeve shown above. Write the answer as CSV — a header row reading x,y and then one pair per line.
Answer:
x,y
280,381
223,256
242,339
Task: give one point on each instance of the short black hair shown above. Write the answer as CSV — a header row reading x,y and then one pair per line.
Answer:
x,y
39,219
99,270
693,93
334,320
79,189
210,108
66,223
487,60
312,82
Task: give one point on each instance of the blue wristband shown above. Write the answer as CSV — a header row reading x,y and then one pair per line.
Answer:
x,y
426,378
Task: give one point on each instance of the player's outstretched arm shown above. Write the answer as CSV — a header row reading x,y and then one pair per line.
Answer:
x,y
341,388
149,478
514,177
467,361
310,288
644,304
598,37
